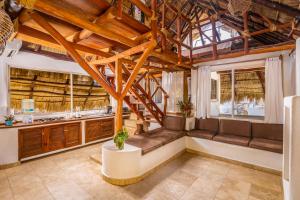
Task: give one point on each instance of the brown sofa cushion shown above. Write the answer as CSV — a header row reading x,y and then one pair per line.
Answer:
x,y
232,139
265,144
201,134
174,123
166,136
209,124
235,127
267,131
145,143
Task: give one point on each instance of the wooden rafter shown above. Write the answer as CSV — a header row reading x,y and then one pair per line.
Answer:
x,y
73,53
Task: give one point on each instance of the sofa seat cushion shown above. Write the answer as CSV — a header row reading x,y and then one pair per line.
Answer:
x,y
265,144
174,123
267,131
233,139
166,136
145,143
208,124
235,127
201,134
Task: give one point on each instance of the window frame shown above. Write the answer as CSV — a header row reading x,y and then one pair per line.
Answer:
x,y
232,115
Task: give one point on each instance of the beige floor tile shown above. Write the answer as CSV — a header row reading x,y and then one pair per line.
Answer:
x,y
172,188
232,189
183,177
67,190
264,193
158,195
73,175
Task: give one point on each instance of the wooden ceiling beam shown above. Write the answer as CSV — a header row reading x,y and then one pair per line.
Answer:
x,y
129,52
33,36
61,10
251,51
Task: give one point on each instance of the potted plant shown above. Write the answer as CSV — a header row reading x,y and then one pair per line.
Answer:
x,y
120,138
9,119
185,108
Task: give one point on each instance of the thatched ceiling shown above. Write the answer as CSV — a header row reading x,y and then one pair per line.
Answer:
x,y
51,91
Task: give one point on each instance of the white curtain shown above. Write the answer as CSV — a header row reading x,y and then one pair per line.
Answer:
x,y
173,85
274,93
203,92
194,88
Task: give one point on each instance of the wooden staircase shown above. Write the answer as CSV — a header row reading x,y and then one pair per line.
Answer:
x,y
141,96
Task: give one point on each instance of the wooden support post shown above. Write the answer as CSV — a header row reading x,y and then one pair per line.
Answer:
x,y
191,43
214,38
199,28
246,31
185,86
119,111
178,28
73,53
154,19
120,9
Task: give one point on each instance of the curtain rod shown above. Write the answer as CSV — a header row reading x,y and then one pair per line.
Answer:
x,y
261,59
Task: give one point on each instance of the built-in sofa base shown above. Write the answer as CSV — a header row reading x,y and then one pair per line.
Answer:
x,y
130,165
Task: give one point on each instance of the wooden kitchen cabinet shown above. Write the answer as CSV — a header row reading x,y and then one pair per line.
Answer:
x,y
98,129
72,134
35,141
92,130
55,137
31,142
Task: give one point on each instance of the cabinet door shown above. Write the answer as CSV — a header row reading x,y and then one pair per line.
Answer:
x,y
31,142
107,128
56,137
72,134
92,130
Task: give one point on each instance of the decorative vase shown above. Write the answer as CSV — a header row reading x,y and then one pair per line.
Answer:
x,y
8,122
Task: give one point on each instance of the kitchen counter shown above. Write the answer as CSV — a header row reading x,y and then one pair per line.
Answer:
x,y
59,121
22,142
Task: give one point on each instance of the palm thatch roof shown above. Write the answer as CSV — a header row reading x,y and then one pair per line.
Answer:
x,y
249,84
52,92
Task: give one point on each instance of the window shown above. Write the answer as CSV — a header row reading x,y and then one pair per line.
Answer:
x,y
238,93
88,94
52,92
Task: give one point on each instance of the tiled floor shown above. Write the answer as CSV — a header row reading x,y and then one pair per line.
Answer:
x,y
73,175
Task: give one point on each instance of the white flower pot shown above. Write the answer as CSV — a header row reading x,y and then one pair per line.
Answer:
x,y
189,123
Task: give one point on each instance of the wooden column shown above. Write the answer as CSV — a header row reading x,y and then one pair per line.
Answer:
x,y
214,37
178,26
185,86
191,42
246,33
119,110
